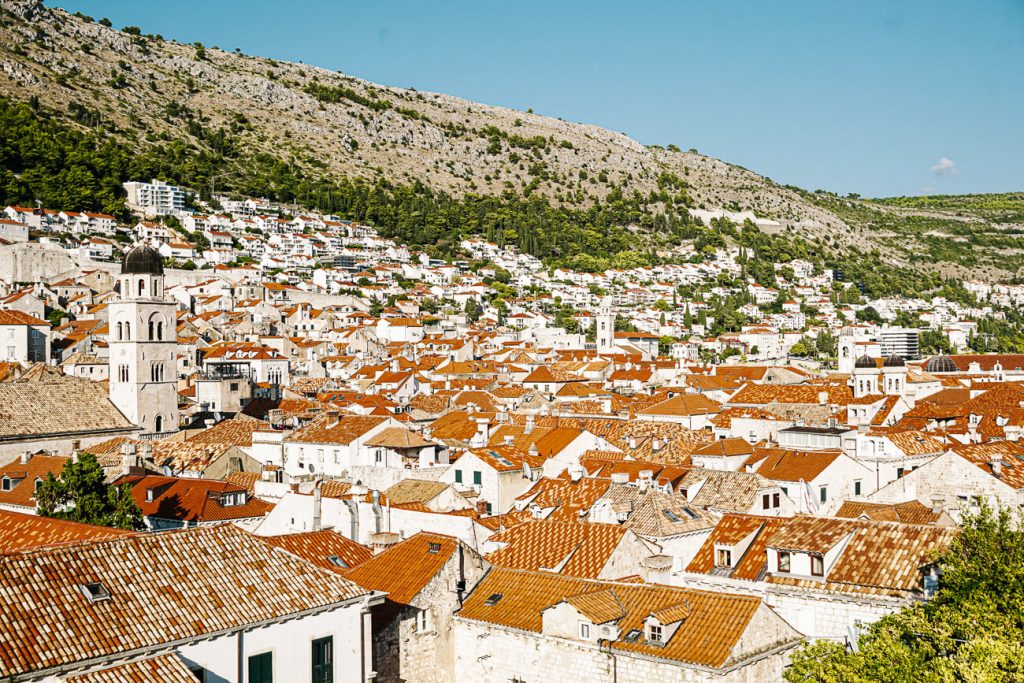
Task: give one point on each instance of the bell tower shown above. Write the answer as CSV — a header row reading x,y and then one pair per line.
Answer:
x,y
605,336
143,367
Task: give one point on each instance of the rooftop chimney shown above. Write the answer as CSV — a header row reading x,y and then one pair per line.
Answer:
x,y
529,423
575,473
25,457
481,507
997,465
620,477
317,503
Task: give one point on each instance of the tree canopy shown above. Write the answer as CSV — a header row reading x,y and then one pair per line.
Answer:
x,y
81,494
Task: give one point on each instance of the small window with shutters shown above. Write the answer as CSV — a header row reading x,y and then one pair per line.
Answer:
x,y
261,668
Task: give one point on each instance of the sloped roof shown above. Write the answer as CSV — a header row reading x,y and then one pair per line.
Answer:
x,y
563,547
318,547
684,405
403,570
166,668
68,406
20,532
707,638
163,588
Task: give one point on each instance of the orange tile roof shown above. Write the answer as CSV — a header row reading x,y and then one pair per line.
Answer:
x,y
23,478
911,512
780,464
22,531
166,668
707,638
191,500
403,570
335,429
563,547
163,588
684,405
318,547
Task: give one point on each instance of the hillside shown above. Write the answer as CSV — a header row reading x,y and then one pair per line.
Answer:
x,y
243,123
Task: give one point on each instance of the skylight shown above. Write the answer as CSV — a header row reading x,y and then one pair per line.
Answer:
x,y
434,548
632,636
337,561
672,517
95,592
493,599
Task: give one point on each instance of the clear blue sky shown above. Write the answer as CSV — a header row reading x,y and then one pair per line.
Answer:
x,y
876,97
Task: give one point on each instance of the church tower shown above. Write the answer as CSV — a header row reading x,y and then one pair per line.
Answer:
x,y
605,336
143,367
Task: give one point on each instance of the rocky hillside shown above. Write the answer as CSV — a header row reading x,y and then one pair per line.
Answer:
x,y
152,90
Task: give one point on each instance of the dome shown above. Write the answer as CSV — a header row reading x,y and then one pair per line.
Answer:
x,y
143,260
894,361
865,362
940,363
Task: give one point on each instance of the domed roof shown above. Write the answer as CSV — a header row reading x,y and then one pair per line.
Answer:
x,y
940,363
143,260
894,361
865,362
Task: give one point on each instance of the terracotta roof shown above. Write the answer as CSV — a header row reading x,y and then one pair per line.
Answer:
x,y
707,638
562,547
334,429
731,530
166,668
761,394
23,478
52,406
723,490
23,531
163,588
15,317
325,548
236,432
684,405
415,491
911,512
565,498
403,570
780,464
398,437
191,500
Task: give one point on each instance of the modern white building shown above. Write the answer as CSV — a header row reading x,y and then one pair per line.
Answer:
x,y
155,198
143,370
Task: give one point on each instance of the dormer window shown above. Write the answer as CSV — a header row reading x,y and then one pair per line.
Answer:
x,y
817,565
655,634
723,557
6,484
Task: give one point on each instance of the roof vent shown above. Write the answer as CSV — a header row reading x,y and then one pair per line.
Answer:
x,y
95,592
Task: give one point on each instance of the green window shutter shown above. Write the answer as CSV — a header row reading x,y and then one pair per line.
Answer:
x,y
261,668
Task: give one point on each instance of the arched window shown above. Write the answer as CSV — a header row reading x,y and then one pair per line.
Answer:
x,y
142,286
127,330
160,330
151,329
120,331
159,423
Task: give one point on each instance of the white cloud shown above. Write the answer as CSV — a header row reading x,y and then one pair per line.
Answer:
x,y
945,166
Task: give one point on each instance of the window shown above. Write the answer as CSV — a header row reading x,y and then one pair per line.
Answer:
x,y
766,501
723,557
478,478
899,472
323,660
783,562
423,621
817,565
8,484
584,630
856,487
654,633
261,668
458,476
776,500
95,592
823,493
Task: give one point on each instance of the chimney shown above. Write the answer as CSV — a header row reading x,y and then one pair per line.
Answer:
x,y
656,444
25,457
428,431
150,494
509,440
317,503
481,507
575,473
127,455
529,424
822,398
620,477
76,444
632,442
937,505
997,465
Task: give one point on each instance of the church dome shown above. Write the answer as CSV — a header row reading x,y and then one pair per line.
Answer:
x,y
865,362
894,361
940,363
142,260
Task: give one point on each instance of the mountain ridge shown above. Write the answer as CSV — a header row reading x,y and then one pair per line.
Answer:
x,y
333,125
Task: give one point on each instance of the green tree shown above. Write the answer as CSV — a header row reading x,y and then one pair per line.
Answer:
x,y
81,494
868,314
472,310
